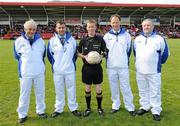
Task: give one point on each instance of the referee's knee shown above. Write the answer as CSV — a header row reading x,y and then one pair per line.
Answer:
x,y
98,88
88,88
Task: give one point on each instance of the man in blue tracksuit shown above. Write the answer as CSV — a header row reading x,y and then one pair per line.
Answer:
x,y
118,43
150,51
29,50
61,53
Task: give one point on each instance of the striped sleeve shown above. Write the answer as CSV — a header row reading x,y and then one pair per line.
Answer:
x,y
16,55
50,54
164,52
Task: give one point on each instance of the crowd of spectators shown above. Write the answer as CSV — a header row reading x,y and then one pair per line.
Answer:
x,y
79,31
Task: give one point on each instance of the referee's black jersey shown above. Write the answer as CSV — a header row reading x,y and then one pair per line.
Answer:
x,y
88,44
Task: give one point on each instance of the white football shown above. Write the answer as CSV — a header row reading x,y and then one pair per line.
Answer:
x,y
93,57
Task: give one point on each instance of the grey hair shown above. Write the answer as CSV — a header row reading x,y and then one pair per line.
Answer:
x,y
30,22
149,20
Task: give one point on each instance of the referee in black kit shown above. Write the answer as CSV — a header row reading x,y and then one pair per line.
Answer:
x,y
92,73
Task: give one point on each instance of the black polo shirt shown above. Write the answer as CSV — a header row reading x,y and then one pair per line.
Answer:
x,y
88,44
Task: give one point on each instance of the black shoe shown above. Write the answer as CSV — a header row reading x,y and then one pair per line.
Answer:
x,y
55,114
22,120
114,110
132,113
141,112
87,112
100,111
42,116
76,113
156,117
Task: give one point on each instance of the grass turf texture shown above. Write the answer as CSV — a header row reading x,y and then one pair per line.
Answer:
x,y
9,95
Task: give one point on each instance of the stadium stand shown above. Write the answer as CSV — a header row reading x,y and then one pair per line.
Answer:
x,y
14,14
80,31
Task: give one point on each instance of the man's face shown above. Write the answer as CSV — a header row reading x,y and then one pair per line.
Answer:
x,y
91,28
147,27
115,23
30,30
60,29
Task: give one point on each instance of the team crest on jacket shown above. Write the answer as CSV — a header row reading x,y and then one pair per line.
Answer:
x,y
55,45
22,46
110,39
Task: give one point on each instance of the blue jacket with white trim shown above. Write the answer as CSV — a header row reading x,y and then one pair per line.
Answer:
x,y
62,57
30,57
119,48
150,52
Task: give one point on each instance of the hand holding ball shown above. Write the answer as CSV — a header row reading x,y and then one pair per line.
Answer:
x,y
93,57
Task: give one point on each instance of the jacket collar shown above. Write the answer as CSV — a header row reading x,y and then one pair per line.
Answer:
x,y
154,32
121,31
67,35
36,36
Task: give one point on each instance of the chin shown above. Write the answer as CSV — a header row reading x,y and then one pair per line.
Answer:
x,y
62,34
146,32
30,36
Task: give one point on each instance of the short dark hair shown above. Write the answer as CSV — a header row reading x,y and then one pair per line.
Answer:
x,y
115,15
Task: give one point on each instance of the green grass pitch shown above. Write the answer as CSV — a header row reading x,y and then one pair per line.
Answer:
x,y
9,95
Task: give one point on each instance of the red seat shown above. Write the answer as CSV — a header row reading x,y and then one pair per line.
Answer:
x,y
7,36
46,35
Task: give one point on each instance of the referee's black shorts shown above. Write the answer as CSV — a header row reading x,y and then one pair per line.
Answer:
x,y
92,74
